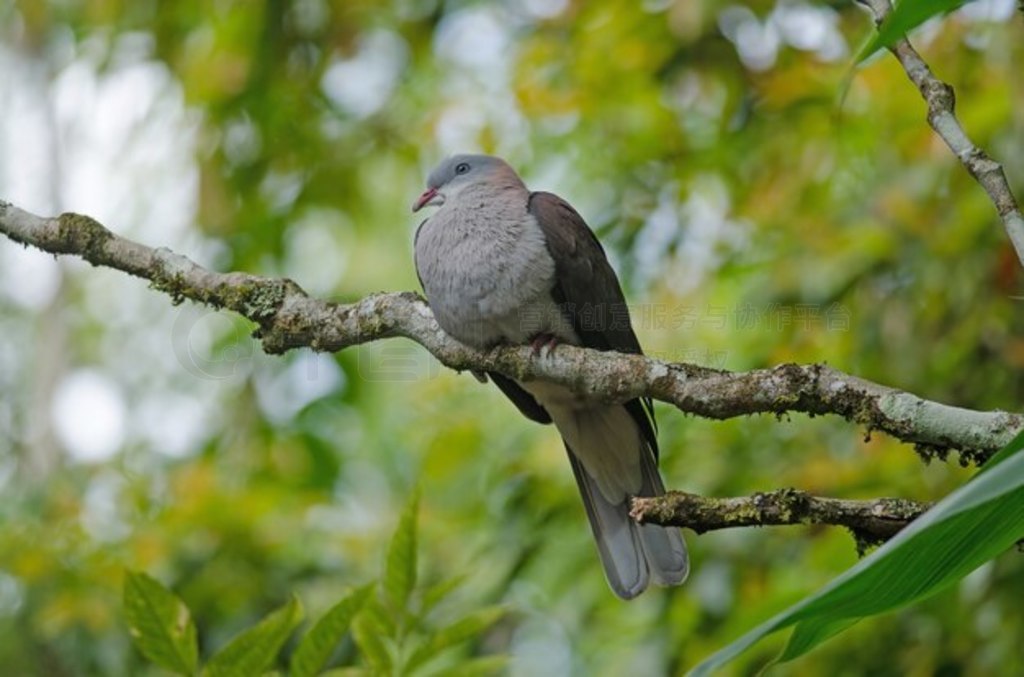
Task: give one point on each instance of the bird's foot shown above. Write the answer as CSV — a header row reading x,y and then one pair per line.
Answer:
x,y
542,341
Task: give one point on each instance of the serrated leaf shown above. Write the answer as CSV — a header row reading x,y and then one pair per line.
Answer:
x,y
905,17
400,570
369,633
254,649
317,645
160,624
461,630
978,521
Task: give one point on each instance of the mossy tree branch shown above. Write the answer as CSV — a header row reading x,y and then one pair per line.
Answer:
x,y
872,521
287,318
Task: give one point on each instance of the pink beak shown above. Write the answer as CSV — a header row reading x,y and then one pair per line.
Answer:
x,y
423,200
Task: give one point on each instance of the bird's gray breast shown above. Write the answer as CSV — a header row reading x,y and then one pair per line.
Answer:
x,y
488,274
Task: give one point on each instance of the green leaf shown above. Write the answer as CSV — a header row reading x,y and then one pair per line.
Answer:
x,y
400,570
369,631
477,667
316,646
905,17
436,594
160,624
461,630
254,649
972,525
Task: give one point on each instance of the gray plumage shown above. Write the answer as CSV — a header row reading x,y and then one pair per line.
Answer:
x,y
502,265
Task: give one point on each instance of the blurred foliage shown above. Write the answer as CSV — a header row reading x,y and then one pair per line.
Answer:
x,y
396,632
753,219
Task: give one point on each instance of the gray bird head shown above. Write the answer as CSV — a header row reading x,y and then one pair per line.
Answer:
x,y
459,172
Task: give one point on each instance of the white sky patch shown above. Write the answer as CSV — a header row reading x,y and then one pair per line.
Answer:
x,y
710,232
474,38
120,162
89,415
476,50
811,29
109,134
29,278
28,147
172,424
699,230
459,127
544,9
101,516
207,345
281,189
988,10
658,234
363,84
242,142
802,26
284,392
756,43
315,237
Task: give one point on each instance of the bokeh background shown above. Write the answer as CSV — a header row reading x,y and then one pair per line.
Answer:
x,y
754,215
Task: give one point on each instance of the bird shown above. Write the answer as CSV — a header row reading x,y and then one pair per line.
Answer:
x,y
503,265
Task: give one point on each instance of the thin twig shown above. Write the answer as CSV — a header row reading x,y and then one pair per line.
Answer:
x,y
941,101
871,521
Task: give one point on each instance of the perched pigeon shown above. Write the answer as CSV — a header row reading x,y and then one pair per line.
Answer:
x,y
503,265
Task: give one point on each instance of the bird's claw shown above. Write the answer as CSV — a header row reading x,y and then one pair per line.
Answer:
x,y
542,341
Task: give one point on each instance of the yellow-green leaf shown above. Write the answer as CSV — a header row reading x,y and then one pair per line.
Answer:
x,y
905,16
316,646
461,630
478,667
369,634
400,570
160,624
251,652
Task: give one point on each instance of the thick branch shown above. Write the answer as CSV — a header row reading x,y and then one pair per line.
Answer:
x,y
872,521
289,318
941,101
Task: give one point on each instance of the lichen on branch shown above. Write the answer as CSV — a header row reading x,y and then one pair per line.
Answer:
x,y
871,521
287,318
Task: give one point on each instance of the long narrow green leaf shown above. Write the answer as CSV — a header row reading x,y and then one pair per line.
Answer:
x,y
461,630
318,644
254,649
369,632
973,524
905,17
400,569
437,593
478,667
160,624
347,672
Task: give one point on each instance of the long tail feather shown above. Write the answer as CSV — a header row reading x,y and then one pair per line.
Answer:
x,y
632,555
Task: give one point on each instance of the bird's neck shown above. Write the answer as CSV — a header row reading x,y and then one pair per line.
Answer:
x,y
499,207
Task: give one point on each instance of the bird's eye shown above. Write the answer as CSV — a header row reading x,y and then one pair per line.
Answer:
x,y
462,168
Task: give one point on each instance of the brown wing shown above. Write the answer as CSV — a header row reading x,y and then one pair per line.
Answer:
x,y
588,291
